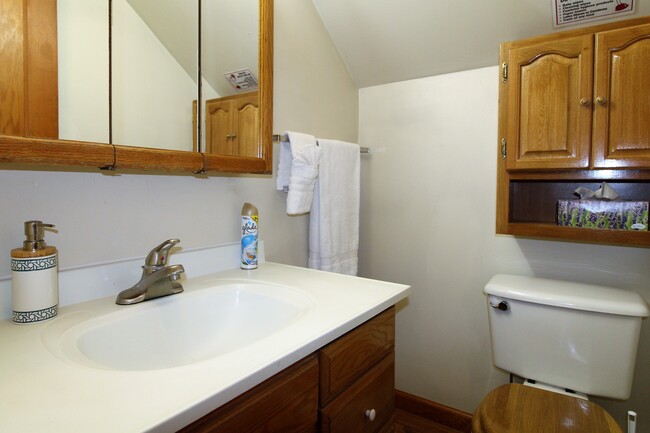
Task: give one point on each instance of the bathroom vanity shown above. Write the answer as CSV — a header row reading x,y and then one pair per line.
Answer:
x,y
351,381
296,350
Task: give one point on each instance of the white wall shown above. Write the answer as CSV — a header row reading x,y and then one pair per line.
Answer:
x,y
104,217
428,219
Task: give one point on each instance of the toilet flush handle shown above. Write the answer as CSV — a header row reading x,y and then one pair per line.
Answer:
x,y
503,306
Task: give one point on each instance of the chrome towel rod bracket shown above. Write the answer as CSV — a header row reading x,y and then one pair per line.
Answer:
x,y
277,138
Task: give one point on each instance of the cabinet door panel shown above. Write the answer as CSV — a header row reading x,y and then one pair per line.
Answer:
x,y
547,125
248,126
621,134
285,403
218,128
29,94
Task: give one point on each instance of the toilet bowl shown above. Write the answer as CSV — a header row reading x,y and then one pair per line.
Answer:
x,y
566,336
516,408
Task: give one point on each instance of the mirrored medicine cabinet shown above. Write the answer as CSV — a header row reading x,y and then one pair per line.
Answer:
x,y
114,84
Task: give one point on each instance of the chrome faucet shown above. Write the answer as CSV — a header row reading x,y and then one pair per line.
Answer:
x,y
158,279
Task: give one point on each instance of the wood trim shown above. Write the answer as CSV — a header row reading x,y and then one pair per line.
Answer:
x,y
266,83
55,152
436,412
577,32
552,231
503,196
146,158
263,164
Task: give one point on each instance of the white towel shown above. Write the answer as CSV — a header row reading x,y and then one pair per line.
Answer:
x,y
334,220
298,170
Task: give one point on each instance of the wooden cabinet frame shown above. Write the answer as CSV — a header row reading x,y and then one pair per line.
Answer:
x,y
19,152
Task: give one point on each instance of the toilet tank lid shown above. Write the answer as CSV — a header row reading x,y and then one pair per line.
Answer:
x,y
577,296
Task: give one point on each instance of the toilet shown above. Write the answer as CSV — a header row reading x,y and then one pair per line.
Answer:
x,y
567,341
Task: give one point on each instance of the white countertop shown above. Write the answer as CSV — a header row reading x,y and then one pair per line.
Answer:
x,y
42,392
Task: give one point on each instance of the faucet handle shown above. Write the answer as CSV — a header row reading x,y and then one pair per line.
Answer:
x,y
159,255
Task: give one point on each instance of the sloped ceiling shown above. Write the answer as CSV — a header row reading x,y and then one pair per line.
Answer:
x,y
384,41
229,35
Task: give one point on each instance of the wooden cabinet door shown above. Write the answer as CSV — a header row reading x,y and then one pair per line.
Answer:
x,y
285,403
548,98
247,125
218,127
29,94
232,125
621,135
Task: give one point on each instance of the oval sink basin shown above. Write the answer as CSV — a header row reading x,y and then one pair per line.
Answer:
x,y
186,328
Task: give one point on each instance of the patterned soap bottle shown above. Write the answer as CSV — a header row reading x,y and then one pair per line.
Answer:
x,y
34,277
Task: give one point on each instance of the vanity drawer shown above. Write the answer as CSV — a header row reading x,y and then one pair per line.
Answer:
x,y
373,391
347,358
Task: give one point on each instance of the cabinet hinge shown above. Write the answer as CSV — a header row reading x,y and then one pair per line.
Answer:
x,y
503,148
504,71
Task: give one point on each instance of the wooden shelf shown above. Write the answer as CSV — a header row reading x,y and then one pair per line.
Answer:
x,y
553,231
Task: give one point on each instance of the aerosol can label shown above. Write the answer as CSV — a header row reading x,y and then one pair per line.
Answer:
x,y
249,242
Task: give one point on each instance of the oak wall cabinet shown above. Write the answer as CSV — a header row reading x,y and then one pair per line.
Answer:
x,y
573,111
232,125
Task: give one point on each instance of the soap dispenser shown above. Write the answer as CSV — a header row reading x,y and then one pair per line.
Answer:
x,y
34,277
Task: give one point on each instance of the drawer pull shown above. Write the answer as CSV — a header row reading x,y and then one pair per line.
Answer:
x,y
371,414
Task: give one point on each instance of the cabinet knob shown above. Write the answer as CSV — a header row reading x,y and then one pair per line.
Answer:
x,y
600,100
585,102
371,414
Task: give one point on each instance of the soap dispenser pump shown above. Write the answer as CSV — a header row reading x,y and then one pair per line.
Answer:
x,y
34,277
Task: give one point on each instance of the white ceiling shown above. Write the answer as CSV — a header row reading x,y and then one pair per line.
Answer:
x,y
384,41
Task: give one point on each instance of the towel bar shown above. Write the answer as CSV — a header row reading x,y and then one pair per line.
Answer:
x,y
277,138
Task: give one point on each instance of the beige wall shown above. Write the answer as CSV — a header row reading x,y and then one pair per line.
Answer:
x,y
428,218
104,217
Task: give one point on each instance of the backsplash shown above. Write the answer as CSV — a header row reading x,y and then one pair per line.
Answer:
x,y
108,279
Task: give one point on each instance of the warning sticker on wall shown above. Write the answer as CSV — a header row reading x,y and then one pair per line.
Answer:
x,y
568,12
242,79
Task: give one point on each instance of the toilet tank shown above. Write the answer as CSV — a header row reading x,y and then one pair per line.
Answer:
x,y
576,336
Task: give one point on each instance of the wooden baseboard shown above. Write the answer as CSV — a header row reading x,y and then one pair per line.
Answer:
x,y
427,409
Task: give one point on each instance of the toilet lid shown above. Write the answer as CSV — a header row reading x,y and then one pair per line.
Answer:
x,y
517,408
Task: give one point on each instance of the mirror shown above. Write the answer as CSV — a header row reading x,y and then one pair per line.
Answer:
x,y
229,71
89,151
154,70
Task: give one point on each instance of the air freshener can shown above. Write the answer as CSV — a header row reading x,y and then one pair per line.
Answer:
x,y
249,222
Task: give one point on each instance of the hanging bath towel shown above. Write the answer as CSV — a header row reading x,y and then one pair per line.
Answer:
x,y
298,170
334,219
